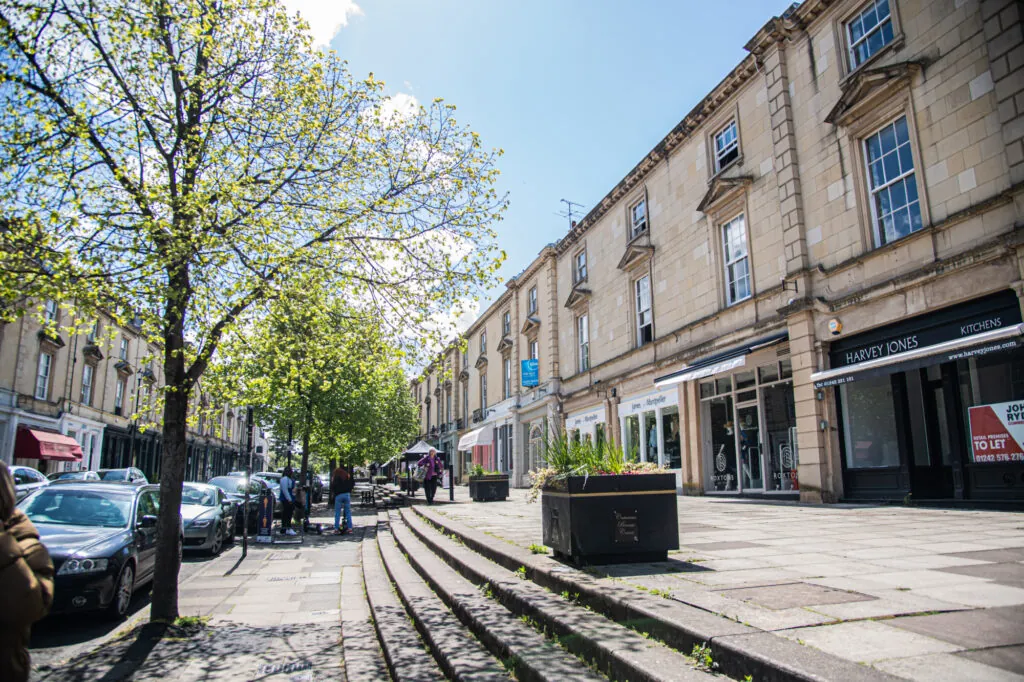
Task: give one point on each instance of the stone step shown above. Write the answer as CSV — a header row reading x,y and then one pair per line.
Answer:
x,y
738,650
459,655
531,656
622,653
401,645
364,661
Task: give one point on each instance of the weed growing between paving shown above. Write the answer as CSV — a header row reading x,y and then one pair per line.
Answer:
x,y
701,654
538,549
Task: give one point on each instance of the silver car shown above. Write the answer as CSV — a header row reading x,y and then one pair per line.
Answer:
x,y
26,479
208,517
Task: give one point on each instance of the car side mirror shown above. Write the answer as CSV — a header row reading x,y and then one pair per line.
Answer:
x,y
147,521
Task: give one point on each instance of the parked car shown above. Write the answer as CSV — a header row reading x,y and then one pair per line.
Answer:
x,y
102,539
235,473
74,476
234,489
26,479
208,516
130,474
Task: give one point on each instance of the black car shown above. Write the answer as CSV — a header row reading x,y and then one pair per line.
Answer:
x,y
102,539
234,488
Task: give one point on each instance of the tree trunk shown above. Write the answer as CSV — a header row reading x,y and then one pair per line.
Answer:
x,y
305,452
176,392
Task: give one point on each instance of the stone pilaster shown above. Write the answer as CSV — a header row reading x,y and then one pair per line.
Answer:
x,y
787,172
1004,35
815,467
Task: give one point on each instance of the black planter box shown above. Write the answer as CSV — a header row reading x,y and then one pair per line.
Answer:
x,y
488,488
611,519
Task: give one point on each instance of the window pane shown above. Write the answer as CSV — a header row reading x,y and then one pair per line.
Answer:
x,y
768,373
707,389
887,135
723,385
898,195
718,415
891,163
744,379
869,424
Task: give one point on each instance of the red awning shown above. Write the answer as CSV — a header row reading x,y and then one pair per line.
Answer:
x,y
31,444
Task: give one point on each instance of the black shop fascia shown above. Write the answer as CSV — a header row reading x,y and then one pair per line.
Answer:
x,y
904,395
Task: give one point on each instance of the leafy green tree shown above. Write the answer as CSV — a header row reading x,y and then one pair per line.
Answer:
x,y
310,361
183,159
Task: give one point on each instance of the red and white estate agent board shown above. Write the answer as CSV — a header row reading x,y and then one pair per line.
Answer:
x,y
997,432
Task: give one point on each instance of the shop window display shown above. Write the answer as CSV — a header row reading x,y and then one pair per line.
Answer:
x,y
749,422
670,435
869,424
651,434
632,437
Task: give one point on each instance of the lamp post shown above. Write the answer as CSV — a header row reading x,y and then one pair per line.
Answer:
x,y
248,478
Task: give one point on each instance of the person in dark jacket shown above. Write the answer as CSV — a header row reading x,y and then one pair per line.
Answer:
x,y
432,469
26,582
341,489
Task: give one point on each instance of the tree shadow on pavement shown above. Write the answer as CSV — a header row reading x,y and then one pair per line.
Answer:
x,y
224,652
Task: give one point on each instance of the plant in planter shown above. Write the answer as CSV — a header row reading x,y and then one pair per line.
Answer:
x,y
599,506
487,486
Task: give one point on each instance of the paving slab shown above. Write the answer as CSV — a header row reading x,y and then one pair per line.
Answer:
x,y
868,641
946,668
974,629
1009,658
1007,573
794,595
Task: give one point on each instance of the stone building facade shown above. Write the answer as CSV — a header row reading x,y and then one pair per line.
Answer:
x,y
98,383
811,286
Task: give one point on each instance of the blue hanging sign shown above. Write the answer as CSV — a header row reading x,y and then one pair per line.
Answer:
x,y
530,370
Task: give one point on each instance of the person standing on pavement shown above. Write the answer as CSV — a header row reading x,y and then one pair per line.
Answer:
x,y
287,501
431,471
26,582
341,488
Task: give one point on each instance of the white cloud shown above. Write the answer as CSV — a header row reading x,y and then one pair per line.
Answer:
x,y
402,105
325,17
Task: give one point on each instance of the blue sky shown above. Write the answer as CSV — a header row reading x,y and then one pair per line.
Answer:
x,y
575,91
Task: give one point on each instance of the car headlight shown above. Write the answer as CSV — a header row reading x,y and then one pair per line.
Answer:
x,y
79,566
200,523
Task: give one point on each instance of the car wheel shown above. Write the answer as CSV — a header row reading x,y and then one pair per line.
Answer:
x,y
218,542
123,590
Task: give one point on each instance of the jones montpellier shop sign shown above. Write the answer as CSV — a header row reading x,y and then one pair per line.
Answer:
x,y
997,432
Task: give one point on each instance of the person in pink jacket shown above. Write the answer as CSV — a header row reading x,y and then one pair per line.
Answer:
x,y
432,470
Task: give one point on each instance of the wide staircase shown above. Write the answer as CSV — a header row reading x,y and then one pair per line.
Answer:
x,y
447,603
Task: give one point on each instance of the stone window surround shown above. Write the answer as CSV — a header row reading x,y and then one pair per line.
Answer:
x,y
577,278
869,123
635,305
583,313
725,264
842,39
731,206
632,233
44,351
729,113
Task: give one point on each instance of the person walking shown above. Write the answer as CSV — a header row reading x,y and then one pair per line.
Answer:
x,y
341,488
26,582
431,471
287,501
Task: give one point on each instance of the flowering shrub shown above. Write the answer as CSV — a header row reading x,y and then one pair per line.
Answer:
x,y
567,457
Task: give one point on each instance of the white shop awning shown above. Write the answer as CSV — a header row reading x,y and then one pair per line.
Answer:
x,y
947,351
481,436
716,364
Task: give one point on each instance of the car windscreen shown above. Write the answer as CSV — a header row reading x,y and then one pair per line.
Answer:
x,y
195,495
235,486
68,506
114,475
72,476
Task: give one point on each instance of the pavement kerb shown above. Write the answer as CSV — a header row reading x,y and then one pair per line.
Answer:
x,y
618,649
738,649
460,656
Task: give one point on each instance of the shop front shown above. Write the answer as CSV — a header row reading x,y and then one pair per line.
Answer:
x,y
650,427
747,418
588,425
932,408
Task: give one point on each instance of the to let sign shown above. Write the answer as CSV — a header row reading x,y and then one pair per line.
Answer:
x,y
997,432
529,370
